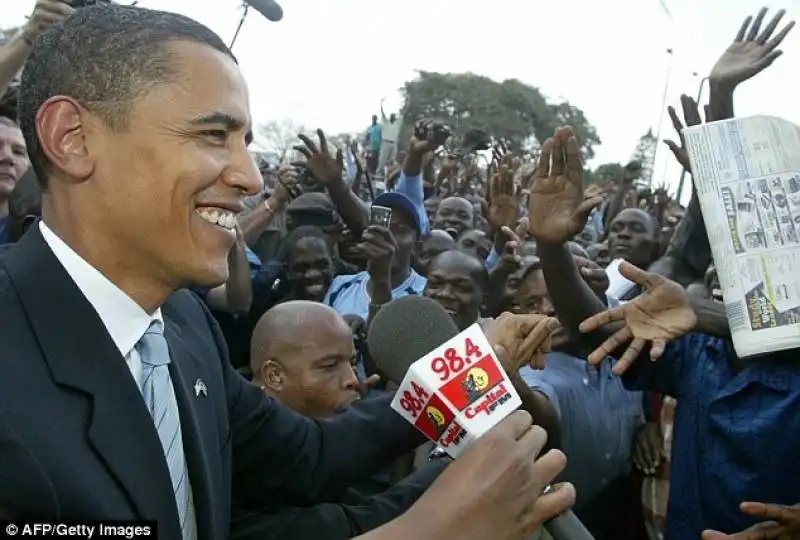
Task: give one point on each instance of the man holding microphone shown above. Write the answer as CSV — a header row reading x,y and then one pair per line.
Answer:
x,y
115,388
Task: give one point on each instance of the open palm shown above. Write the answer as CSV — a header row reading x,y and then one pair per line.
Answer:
x,y
557,208
660,315
752,51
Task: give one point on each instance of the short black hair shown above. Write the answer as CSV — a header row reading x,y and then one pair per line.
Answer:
x,y
105,57
300,233
479,269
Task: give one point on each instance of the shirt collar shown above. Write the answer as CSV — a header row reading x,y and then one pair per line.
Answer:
x,y
125,321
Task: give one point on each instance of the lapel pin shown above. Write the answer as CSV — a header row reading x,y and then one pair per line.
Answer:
x,y
200,388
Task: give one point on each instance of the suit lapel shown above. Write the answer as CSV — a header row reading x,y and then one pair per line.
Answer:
x,y
81,355
185,370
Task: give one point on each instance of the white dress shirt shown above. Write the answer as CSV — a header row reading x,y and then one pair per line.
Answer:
x,y
125,321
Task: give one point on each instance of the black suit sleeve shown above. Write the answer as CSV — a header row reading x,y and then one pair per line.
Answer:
x,y
281,455
24,484
338,521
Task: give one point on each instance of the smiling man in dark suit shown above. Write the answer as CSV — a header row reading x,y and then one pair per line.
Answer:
x,y
115,386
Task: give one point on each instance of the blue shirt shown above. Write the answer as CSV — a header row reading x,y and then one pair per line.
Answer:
x,y
736,437
598,417
374,134
349,295
411,187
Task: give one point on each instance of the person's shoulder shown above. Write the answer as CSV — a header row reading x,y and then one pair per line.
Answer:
x,y
418,282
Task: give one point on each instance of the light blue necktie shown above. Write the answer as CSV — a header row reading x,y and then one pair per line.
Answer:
x,y
159,395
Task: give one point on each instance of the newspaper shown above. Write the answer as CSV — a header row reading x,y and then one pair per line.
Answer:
x,y
747,173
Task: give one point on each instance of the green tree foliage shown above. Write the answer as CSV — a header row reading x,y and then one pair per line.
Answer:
x,y
510,110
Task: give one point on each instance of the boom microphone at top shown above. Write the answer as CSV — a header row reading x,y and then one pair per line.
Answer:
x,y
268,8
405,330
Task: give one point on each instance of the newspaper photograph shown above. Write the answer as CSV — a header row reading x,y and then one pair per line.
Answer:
x,y
747,175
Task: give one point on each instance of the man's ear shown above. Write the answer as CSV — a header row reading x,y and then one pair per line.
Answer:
x,y
61,126
273,376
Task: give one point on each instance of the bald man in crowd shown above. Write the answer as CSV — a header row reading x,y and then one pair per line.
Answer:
x,y
315,377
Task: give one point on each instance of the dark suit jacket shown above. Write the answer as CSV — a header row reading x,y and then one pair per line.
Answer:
x,y
79,428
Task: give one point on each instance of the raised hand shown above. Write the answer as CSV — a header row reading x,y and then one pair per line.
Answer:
x,y
46,13
558,210
379,246
428,136
783,524
509,260
503,207
691,117
659,315
286,188
319,162
751,52
525,338
494,489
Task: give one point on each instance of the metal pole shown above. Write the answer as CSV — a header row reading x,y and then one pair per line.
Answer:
x,y
683,172
239,28
661,116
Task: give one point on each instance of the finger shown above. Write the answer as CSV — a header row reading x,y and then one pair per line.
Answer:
x,y
340,158
756,27
707,112
743,29
309,143
676,150
774,42
611,344
372,381
657,349
558,501
770,28
601,319
323,142
637,275
774,512
538,337
548,466
673,117
557,157
761,531
629,356
511,235
650,458
573,157
691,114
303,150
515,425
543,169
586,207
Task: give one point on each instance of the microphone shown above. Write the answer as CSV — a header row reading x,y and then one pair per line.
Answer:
x,y
268,8
407,329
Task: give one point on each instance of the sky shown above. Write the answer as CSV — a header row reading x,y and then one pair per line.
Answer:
x,y
329,63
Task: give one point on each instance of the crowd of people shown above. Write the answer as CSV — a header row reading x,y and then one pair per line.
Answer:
x,y
184,333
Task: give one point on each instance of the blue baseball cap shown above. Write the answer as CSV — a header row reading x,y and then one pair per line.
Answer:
x,y
393,199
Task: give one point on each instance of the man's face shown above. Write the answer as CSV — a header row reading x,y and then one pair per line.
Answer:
x,y
318,378
169,187
476,243
431,207
533,297
13,158
599,254
453,281
631,237
454,216
310,269
405,234
437,242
